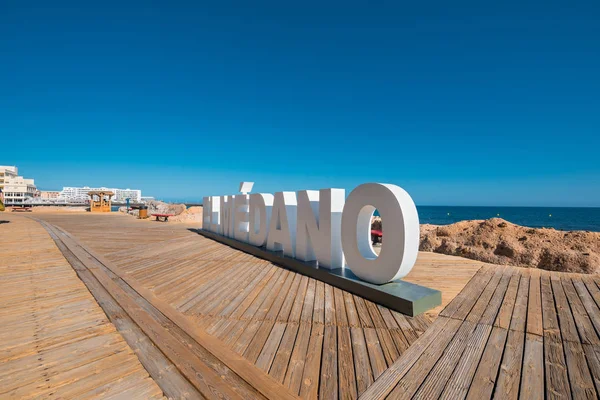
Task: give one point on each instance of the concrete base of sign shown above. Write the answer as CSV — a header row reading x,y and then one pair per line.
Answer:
x,y
405,297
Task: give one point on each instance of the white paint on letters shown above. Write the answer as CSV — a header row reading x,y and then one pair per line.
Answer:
x,y
206,211
241,220
227,215
282,229
318,226
400,244
215,214
318,235
261,205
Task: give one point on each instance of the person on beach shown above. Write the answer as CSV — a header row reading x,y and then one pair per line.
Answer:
x,y
1,201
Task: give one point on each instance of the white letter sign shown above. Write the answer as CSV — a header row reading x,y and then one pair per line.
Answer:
x,y
322,226
400,244
261,205
282,229
318,234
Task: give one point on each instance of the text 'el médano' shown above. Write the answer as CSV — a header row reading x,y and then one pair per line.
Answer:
x,y
324,226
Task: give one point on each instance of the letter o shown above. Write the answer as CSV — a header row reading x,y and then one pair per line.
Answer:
x,y
400,245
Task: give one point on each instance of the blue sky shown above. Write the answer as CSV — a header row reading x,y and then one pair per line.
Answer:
x,y
460,103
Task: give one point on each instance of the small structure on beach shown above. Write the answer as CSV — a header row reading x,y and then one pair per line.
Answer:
x,y
100,200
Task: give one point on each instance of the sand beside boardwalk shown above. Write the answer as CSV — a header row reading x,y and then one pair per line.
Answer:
x,y
497,241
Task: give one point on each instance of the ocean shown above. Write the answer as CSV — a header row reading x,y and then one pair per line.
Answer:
x,y
561,218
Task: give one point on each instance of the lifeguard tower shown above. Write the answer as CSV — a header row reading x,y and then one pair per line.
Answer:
x,y
100,200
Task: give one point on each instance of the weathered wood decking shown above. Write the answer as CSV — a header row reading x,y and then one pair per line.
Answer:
x,y
511,333
310,338
55,341
217,318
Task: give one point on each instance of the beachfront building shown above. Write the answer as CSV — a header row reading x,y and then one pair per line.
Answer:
x,y
80,194
134,195
18,190
75,194
7,172
49,195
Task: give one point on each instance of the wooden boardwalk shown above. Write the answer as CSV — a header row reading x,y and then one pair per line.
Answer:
x,y
55,341
310,338
219,322
511,333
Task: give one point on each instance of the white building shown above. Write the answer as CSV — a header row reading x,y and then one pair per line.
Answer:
x,y
134,195
17,190
49,195
80,194
75,194
7,172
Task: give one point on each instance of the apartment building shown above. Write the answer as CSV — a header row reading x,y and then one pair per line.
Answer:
x,y
17,190
7,172
49,195
134,195
80,194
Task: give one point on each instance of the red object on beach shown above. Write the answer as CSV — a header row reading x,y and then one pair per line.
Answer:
x,y
376,236
165,216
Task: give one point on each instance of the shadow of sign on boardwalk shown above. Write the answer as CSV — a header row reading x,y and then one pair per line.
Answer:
x,y
399,295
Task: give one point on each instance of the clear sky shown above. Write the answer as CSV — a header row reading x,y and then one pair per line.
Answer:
x,y
479,103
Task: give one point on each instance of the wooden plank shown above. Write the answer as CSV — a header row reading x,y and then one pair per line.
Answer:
x,y
509,378
463,302
441,331
475,314
534,308
532,379
409,383
268,352
582,385
351,312
434,379
519,316
296,310
309,388
506,310
263,333
557,381
568,331
376,355
585,328
364,374
284,353
385,338
496,302
591,308
345,360
460,381
395,331
408,330
592,355
328,383
293,375
309,302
